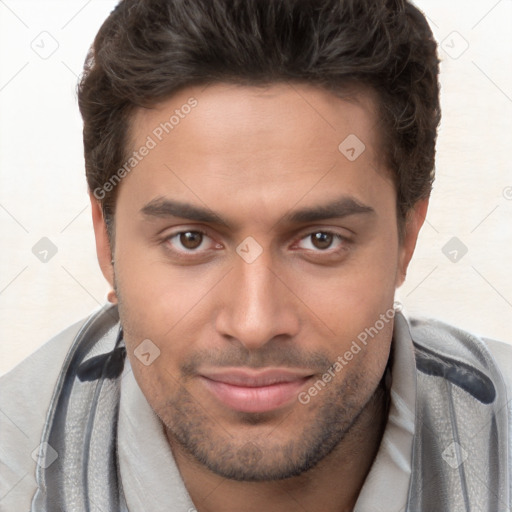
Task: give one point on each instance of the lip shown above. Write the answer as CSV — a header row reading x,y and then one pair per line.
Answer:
x,y
247,390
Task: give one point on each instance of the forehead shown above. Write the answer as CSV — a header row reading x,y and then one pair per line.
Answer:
x,y
278,116
262,144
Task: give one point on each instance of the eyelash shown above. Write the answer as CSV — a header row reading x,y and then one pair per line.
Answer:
x,y
191,253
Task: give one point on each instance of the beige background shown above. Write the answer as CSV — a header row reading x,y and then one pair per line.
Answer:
x,y
43,191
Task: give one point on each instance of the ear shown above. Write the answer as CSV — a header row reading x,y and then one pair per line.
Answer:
x,y
103,249
413,222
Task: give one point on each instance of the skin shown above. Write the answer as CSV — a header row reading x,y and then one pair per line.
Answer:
x,y
252,155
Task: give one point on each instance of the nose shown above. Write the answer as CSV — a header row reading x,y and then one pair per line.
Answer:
x,y
257,304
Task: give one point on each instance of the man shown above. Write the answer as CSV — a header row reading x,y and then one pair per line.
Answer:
x,y
258,174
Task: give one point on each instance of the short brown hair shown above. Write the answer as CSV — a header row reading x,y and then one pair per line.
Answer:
x,y
147,50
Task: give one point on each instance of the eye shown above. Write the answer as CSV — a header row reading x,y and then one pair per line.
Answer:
x,y
322,240
188,241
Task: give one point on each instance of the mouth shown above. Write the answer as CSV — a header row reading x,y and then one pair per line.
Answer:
x,y
244,390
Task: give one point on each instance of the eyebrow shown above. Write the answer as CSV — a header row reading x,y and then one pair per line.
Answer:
x,y
339,208
344,206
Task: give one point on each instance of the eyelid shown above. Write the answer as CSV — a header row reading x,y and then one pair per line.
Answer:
x,y
341,238
184,251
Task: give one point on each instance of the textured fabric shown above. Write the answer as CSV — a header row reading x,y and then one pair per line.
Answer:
x,y
463,436
25,393
82,424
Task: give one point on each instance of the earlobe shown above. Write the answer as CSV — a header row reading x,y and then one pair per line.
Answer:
x,y
414,222
103,249
112,297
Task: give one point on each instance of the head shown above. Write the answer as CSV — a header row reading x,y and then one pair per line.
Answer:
x,y
259,173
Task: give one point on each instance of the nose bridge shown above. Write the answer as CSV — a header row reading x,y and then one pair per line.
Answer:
x,y
256,284
257,306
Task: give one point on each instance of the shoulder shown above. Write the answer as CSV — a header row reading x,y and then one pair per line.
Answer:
x,y
452,343
464,395
502,353
26,392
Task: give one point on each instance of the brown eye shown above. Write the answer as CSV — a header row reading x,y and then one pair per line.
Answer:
x,y
190,245
191,239
322,240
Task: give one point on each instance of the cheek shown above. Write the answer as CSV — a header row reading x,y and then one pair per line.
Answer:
x,y
355,295
170,309
353,309
159,295
147,323
362,323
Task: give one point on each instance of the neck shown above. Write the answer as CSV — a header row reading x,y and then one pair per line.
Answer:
x,y
331,486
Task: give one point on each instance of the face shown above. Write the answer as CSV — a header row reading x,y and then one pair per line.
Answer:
x,y
255,253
